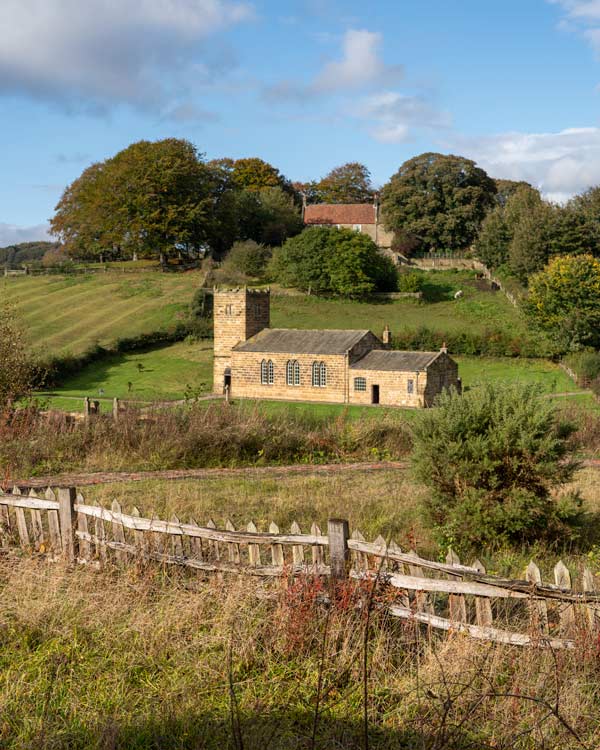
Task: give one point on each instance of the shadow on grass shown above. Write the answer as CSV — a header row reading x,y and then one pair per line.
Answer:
x,y
437,292
275,731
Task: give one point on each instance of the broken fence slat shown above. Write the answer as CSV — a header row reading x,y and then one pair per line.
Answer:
x,y
566,612
85,548
538,609
483,606
277,557
456,602
253,549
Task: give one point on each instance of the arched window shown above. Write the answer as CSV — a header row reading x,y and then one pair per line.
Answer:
x,y
264,372
319,374
292,372
271,372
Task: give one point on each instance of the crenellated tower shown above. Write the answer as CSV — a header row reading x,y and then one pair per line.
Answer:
x,y
238,314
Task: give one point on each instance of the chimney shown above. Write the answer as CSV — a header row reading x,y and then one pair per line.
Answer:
x,y
303,194
376,206
444,348
387,336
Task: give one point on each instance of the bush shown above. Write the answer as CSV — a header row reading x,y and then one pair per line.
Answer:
x,y
410,281
324,260
248,258
16,365
491,459
586,365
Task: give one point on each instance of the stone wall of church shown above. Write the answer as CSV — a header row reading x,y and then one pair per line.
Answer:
x,y
394,387
246,377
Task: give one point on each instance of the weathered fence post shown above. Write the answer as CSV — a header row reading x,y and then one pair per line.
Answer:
x,y
67,497
86,407
338,532
115,409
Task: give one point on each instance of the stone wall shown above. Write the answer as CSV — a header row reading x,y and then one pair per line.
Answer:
x,y
441,374
393,387
238,315
246,383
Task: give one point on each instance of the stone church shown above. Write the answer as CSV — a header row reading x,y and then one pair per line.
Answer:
x,y
252,360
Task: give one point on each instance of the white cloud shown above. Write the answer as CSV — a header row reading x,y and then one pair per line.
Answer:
x,y
560,164
394,116
11,234
582,16
361,67
103,52
361,63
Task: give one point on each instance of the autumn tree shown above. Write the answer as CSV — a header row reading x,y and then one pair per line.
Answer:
x,y
440,200
564,299
255,174
349,183
16,365
154,198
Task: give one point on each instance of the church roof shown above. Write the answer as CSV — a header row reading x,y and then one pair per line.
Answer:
x,y
297,341
340,213
382,359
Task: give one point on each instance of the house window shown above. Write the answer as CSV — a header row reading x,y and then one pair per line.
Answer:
x,y
228,309
292,373
267,372
410,386
319,374
360,384
357,227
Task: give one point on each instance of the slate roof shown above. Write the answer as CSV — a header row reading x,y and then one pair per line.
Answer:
x,y
395,360
340,213
296,341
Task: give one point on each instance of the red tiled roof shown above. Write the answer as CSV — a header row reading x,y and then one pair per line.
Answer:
x,y
340,213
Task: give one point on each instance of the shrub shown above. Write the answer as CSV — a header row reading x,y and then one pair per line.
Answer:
x,y
586,365
325,260
491,459
410,281
16,365
248,258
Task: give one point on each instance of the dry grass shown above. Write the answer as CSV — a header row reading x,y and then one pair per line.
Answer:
x,y
150,659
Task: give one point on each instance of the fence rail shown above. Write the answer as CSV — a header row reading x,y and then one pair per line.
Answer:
x,y
444,595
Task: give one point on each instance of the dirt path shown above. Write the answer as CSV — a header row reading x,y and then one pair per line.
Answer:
x,y
249,472
85,479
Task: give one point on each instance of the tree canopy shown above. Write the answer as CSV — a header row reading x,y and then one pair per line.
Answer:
x,y
16,364
439,200
154,198
325,260
564,299
349,183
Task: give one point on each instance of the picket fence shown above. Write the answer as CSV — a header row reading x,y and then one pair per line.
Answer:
x,y
448,596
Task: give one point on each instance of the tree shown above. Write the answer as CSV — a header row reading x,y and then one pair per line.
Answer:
x,y
256,174
248,258
16,364
154,198
441,200
491,459
564,299
326,260
507,188
530,245
493,242
350,183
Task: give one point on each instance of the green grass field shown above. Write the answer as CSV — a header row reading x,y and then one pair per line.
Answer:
x,y
173,371
72,313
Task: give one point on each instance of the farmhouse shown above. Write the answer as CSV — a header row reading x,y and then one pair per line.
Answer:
x,y
252,360
361,217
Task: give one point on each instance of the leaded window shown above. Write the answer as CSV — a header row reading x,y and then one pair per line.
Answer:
x,y
267,372
360,384
410,386
319,374
292,372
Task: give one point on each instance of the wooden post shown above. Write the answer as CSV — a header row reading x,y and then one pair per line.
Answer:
x,y
67,497
115,409
338,532
538,609
86,407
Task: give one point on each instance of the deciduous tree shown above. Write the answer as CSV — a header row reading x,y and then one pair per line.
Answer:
x,y
349,183
16,364
440,200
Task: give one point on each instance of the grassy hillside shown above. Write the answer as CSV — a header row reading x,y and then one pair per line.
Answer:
x,y
72,313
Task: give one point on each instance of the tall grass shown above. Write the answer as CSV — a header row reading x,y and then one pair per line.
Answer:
x,y
196,436
154,659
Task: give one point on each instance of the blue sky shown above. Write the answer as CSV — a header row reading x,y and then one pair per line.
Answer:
x,y
305,84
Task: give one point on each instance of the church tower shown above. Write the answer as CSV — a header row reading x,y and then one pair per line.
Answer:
x,y
238,315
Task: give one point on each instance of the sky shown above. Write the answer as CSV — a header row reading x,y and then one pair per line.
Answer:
x,y
306,85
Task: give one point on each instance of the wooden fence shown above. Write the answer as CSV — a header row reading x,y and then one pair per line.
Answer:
x,y
448,596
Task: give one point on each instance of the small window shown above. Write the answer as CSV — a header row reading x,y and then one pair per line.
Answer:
x,y
323,373
267,372
410,386
319,374
360,384
357,227
296,373
228,309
